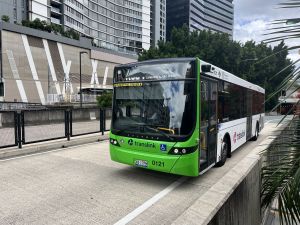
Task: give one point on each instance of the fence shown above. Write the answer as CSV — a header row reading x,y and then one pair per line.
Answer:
x,y
25,127
8,129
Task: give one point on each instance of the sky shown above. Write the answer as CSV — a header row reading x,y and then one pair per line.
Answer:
x,y
253,17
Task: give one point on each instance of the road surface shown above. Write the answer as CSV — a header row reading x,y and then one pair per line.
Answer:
x,y
81,185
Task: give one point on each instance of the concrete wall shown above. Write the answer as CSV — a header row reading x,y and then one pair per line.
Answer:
x,y
43,64
43,117
243,206
7,119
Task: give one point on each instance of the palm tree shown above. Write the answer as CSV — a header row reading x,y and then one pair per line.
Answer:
x,y
281,165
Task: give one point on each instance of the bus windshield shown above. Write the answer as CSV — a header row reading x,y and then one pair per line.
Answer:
x,y
160,109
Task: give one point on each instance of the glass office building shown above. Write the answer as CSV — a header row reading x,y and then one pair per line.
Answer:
x,y
214,15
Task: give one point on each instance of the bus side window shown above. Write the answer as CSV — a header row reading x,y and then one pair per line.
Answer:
x,y
220,101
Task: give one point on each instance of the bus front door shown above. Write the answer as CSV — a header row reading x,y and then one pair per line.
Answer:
x,y
208,125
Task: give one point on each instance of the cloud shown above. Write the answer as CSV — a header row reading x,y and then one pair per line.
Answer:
x,y
294,56
253,17
252,30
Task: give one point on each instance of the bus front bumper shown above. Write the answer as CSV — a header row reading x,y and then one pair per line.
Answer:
x,y
186,165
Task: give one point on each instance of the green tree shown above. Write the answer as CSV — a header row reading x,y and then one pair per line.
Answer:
x,y
105,100
5,18
281,170
242,60
259,71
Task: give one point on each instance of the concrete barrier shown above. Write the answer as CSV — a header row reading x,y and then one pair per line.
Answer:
x,y
7,119
40,117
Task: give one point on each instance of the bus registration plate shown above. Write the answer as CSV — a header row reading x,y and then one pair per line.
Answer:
x,y
141,163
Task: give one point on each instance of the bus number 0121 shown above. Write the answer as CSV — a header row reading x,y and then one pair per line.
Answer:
x,y
158,163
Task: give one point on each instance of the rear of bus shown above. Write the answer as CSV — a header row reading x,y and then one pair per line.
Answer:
x,y
155,116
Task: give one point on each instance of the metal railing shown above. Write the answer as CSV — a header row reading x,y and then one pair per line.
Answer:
x,y
23,127
56,98
9,106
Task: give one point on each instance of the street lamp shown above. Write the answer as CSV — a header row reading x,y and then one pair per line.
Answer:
x,y
80,81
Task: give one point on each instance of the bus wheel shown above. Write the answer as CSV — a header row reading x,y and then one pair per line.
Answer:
x,y
256,133
224,153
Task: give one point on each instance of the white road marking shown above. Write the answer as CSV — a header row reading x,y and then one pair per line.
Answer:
x,y
150,202
55,150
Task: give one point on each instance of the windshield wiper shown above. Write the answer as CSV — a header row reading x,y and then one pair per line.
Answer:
x,y
159,131
138,125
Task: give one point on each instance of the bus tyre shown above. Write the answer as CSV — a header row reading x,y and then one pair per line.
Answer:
x,y
224,153
256,133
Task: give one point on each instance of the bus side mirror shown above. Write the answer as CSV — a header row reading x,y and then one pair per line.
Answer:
x,y
205,68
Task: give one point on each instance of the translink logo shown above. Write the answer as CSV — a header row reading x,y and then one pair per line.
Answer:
x,y
140,144
130,142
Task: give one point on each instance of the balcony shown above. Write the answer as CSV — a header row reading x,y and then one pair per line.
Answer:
x,y
56,21
70,25
55,10
70,4
56,2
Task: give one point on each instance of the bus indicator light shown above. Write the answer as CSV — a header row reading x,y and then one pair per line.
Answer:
x,y
183,151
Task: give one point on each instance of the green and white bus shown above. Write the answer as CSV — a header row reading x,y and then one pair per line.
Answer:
x,y
182,115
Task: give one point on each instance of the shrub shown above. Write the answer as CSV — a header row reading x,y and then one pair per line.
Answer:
x,y
104,100
55,28
5,18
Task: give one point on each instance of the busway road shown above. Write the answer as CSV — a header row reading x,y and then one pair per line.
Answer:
x,y
81,185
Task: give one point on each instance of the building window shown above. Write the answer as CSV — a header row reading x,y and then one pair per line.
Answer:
x,y
15,14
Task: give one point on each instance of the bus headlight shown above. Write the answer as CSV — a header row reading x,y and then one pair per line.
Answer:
x,y
182,151
114,142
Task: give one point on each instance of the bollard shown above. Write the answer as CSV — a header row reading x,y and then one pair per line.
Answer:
x,y
68,124
102,121
19,129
